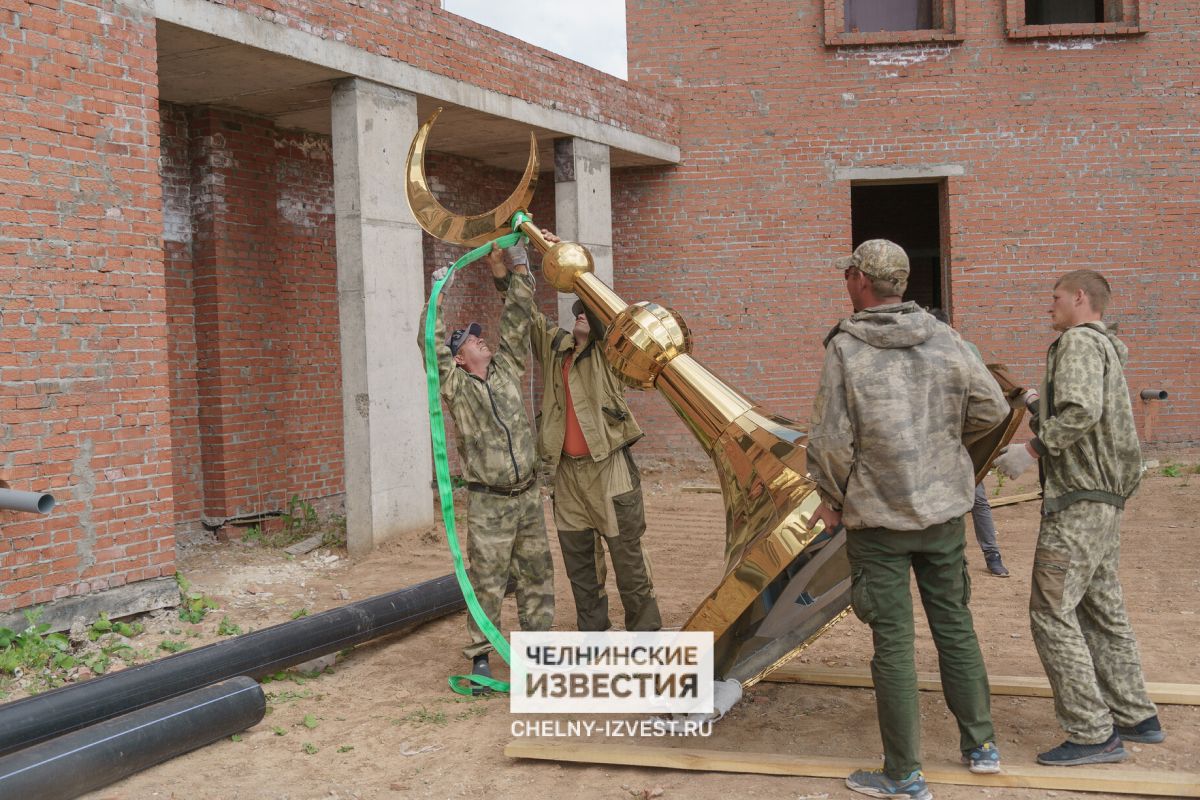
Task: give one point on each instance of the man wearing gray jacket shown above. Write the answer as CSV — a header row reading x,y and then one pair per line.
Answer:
x,y
899,391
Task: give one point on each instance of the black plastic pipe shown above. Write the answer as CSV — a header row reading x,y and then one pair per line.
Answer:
x,y
26,722
88,759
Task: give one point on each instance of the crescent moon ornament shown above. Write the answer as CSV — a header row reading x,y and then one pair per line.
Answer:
x,y
468,230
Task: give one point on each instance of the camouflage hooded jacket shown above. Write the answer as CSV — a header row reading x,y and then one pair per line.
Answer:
x,y
597,395
495,441
899,390
1085,433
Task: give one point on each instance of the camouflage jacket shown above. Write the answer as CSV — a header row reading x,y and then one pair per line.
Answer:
x,y
597,395
899,391
495,441
1085,433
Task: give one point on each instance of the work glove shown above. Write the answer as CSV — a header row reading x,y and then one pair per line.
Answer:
x,y
1013,460
516,255
1030,399
438,274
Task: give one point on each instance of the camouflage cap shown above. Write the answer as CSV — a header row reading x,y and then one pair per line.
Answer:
x,y
878,258
457,339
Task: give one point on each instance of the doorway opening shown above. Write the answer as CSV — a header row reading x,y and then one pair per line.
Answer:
x,y
909,214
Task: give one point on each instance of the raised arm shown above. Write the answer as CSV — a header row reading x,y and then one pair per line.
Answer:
x,y
447,370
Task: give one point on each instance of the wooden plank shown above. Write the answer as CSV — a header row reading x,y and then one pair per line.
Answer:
x,y
1178,694
1015,498
304,545
1113,779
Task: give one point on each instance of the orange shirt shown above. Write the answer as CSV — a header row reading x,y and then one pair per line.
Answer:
x,y
574,444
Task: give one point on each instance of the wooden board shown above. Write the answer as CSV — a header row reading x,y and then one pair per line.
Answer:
x,y
1015,498
1115,778
1179,694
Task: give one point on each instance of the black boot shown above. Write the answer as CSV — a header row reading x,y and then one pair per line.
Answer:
x,y
480,666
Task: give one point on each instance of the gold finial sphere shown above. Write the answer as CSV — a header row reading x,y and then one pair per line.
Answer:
x,y
564,262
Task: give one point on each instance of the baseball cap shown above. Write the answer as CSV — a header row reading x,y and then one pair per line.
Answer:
x,y
878,258
460,336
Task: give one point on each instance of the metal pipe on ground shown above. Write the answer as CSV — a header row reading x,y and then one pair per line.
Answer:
x,y
26,722
32,502
88,759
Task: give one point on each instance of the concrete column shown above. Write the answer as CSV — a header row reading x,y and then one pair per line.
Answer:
x,y
381,290
583,206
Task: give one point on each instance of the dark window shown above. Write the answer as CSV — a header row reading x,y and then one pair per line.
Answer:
x,y
868,16
909,214
1063,12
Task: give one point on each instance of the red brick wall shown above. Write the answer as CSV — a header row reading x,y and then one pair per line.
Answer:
x,y
187,463
1076,152
254,350
255,358
85,407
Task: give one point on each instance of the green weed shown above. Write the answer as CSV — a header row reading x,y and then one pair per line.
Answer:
x,y
193,606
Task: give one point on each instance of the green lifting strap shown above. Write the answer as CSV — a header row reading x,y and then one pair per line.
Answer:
x,y
437,424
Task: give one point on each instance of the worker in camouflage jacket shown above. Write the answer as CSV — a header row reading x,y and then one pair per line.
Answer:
x,y
899,392
1087,447
585,430
506,527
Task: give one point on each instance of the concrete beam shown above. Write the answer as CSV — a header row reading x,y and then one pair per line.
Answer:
x,y
237,26
898,174
583,207
381,286
120,601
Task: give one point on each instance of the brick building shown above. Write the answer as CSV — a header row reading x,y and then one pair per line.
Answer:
x,y
212,282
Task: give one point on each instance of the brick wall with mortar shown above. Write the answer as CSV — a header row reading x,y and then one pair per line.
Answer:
x,y
1076,151
136,305
255,368
85,405
252,292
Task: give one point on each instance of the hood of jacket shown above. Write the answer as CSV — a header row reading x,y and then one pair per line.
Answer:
x,y
1111,335
890,326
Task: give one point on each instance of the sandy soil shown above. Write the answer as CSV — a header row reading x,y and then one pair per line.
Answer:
x,y
388,726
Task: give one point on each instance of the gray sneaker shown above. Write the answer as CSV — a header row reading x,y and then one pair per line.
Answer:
x,y
1070,754
876,783
1148,731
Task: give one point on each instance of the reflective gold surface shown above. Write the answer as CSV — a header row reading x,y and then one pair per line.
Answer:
x,y
438,221
786,581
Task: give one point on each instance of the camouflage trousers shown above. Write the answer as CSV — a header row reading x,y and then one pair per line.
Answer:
x,y
507,536
599,504
1080,628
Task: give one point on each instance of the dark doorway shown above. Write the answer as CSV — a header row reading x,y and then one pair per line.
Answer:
x,y
910,215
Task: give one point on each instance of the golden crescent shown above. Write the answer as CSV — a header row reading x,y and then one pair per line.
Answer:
x,y
439,221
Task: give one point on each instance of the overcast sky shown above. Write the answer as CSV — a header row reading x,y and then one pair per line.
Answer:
x,y
591,31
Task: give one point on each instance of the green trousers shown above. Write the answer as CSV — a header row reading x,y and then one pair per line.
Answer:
x,y
880,562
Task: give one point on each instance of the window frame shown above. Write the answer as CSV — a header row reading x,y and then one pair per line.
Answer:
x,y
948,30
1129,23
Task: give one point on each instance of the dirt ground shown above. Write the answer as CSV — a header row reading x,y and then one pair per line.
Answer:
x,y
387,726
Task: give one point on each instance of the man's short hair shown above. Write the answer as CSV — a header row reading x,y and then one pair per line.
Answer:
x,y
1093,285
